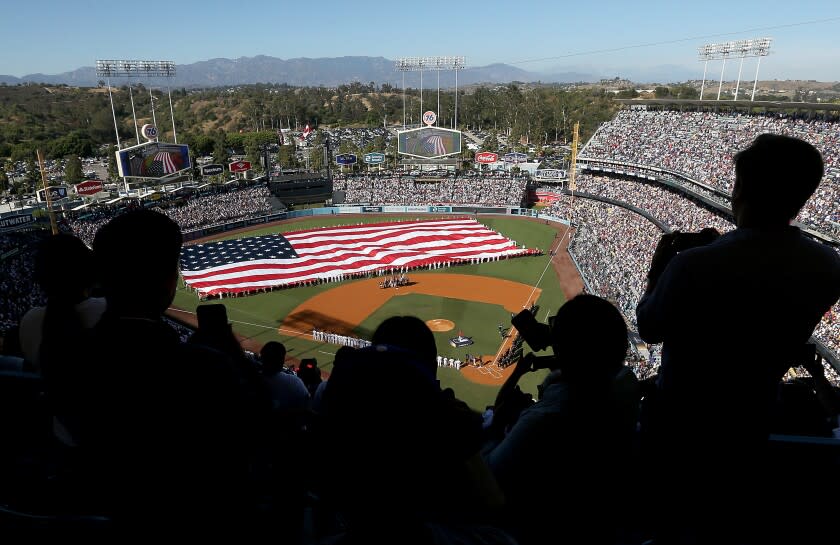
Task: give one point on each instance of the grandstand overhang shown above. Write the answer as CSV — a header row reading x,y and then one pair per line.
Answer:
x,y
730,104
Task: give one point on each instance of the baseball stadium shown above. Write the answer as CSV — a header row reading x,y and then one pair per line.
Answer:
x,y
467,299
212,335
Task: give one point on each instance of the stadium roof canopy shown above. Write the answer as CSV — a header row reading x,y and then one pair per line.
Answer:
x,y
731,104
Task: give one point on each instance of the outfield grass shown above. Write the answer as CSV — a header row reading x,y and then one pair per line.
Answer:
x,y
258,317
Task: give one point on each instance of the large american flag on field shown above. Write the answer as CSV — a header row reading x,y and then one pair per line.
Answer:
x,y
335,253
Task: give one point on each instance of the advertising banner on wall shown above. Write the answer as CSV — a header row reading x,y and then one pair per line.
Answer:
x,y
56,193
345,159
239,166
90,187
13,222
374,158
486,157
212,170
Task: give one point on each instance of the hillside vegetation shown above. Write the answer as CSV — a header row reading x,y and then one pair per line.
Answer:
x,y
64,120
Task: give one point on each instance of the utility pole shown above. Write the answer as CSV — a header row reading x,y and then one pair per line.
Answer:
x,y
267,159
327,158
53,225
573,161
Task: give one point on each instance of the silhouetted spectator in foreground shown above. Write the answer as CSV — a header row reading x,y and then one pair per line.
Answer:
x,y
288,392
158,421
413,449
561,461
310,374
288,433
731,312
65,270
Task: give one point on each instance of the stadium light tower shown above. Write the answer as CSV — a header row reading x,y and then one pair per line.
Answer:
x,y
724,50
706,53
135,68
759,47
421,64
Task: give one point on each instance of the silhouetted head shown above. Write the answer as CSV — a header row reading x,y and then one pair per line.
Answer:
x,y
589,338
774,177
64,268
137,257
412,334
273,357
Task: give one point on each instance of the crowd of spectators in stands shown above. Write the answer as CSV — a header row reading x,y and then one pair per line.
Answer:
x,y
613,246
395,190
16,271
189,211
701,145
213,209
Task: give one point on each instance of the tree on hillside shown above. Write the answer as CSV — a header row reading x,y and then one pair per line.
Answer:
x,y
316,157
76,143
33,176
286,156
113,174
195,171
376,144
253,154
200,144
662,92
73,170
685,91
220,151
391,151
491,142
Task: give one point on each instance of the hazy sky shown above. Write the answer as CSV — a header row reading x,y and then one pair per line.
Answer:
x,y
53,36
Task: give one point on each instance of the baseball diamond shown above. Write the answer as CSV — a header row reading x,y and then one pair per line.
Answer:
x,y
475,298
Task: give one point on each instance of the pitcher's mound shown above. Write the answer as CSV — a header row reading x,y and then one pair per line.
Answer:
x,y
440,325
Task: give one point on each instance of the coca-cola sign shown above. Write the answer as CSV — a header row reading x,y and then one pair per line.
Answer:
x,y
90,187
486,157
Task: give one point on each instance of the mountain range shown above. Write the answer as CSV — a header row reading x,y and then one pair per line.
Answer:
x,y
312,72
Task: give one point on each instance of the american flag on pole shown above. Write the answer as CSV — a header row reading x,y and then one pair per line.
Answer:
x,y
306,132
335,253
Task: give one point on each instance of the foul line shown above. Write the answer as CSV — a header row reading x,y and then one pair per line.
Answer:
x,y
290,331
547,265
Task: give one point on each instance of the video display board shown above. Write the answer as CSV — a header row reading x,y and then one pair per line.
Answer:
x,y
429,142
153,160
